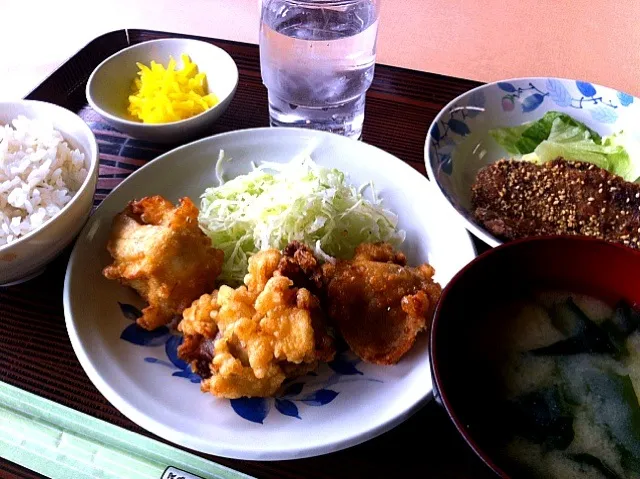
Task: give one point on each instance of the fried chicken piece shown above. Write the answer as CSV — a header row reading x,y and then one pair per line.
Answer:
x,y
160,251
245,342
515,199
379,304
300,265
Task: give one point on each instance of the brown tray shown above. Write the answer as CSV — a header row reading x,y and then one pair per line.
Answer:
x,y
35,352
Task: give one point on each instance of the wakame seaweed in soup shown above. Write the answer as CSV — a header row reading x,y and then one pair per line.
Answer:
x,y
567,368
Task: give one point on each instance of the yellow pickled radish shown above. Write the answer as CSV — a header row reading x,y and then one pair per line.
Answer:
x,y
164,95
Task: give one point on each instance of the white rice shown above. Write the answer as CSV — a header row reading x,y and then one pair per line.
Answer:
x,y
39,175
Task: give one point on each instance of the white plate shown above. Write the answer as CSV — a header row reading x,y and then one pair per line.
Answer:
x,y
158,394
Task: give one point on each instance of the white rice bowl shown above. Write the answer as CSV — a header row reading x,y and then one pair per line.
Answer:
x,y
39,175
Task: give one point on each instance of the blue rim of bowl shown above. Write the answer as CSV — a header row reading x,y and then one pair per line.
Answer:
x,y
471,226
151,126
92,171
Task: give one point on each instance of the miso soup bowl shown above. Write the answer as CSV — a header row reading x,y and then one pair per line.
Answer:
x,y
575,264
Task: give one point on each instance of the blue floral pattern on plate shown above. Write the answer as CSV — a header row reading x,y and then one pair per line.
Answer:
x,y
310,390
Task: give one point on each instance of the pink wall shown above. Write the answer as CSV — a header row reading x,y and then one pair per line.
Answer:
x,y
596,40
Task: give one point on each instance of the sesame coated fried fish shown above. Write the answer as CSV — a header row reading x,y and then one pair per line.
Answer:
x,y
516,199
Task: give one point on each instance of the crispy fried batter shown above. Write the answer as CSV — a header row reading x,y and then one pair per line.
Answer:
x,y
160,251
378,304
261,333
300,265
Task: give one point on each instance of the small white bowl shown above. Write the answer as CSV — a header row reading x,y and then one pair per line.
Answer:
x,y
109,87
27,256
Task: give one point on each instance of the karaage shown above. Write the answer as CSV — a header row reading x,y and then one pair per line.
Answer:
x,y
245,342
160,251
378,304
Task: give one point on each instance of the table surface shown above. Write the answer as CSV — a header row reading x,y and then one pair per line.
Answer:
x,y
35,352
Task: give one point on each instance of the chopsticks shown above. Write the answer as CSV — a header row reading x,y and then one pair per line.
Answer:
x,y
62,443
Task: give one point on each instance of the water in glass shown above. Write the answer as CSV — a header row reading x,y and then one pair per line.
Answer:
x,y
317,59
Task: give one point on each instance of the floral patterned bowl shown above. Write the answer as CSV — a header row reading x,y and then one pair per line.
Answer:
x,y
458,143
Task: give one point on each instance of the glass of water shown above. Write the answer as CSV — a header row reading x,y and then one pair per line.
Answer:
x,y
317,59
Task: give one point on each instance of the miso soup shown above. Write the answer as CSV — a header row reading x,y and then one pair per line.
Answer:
x,y
561,377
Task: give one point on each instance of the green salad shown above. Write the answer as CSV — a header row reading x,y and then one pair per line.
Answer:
x,y
300,200
559,135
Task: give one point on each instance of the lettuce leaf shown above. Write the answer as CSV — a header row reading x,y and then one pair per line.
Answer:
x,y
572,144
525,138
558,135
510,138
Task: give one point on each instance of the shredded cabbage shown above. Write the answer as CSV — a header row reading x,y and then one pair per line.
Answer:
x,y
300,200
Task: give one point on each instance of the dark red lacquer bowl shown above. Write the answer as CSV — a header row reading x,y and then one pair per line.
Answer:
x,y
581,265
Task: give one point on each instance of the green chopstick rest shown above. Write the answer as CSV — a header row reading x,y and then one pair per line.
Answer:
x,y
62,443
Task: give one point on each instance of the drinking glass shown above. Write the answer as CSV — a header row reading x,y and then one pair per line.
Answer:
x,y
317,59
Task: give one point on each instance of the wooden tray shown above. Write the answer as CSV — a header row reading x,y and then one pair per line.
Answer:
x,y
35,352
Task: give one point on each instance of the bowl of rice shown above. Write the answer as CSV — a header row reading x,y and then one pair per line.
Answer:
x,y
48,175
